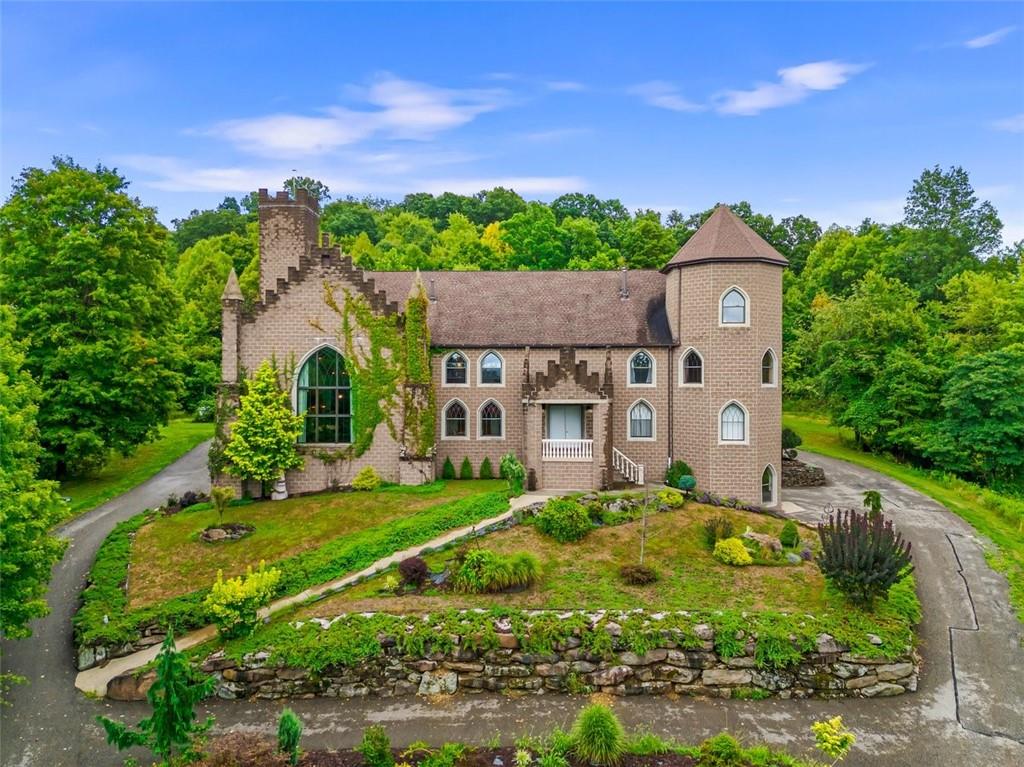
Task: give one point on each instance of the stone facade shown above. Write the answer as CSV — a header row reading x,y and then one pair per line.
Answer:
x,y
828,672
555,364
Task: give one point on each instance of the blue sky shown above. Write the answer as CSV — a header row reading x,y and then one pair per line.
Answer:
x,y
828,110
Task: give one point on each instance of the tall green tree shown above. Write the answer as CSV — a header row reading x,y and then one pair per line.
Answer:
x,y
29,507
945,200
317,189
534,240
82,264
226,218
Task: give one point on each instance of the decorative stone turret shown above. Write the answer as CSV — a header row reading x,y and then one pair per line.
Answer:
x,y
288,230
231,315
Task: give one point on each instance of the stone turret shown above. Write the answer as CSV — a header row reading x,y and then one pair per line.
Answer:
x,y
289,228
231,316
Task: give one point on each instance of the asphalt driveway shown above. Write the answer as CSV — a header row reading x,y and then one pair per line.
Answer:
x,y
969,708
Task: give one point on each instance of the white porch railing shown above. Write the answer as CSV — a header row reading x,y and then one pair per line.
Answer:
x,y
631,470
567,449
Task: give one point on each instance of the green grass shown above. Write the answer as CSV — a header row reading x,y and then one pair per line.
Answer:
x,y
996,516
123,473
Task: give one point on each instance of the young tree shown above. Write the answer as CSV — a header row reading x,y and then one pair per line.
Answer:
x,y
262,442
83,263
317,189
945,200
172,726
29,507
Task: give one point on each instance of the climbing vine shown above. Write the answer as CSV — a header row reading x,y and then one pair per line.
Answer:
x,y
387,357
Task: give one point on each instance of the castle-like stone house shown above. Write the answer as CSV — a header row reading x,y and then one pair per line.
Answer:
x,y
590,378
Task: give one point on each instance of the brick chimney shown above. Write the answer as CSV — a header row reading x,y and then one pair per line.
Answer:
x,y
288,229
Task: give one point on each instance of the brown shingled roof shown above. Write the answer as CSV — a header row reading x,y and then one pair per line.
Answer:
x,y
564,308
725,237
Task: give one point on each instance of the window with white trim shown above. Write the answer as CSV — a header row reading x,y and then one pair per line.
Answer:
x,y
492,420
734,307
456,371
734,423
455,420
641,369
768,369
768,486
491,370
641,421
693,369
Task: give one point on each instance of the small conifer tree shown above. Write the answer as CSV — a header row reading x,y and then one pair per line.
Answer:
x,y
448,470
466,470
486,471
289,731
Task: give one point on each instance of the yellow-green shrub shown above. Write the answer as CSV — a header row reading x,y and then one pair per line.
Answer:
x,y
672,498
233,603
731,551
366,479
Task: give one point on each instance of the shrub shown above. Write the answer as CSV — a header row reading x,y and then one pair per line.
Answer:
x,y
715,529
289,731
233,603
832,738
790,442
366,479
466,470
672,498
676,470
413,571
862,555
514,471
687,483
597,736
221,497
564,519
731,551
448,470
638,575
376,747
486,472
205,410
790,535
483,571
721,751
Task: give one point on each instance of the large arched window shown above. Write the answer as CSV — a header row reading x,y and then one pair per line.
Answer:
x,y
492,420
768,486
492,370
734,307
733,423
456,370
323,396
641,369
768,369
693,369
641,420
456,420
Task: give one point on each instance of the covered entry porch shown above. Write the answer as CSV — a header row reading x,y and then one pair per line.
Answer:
x,y
566,437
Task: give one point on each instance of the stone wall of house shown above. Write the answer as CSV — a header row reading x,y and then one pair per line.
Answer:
x,y
830,671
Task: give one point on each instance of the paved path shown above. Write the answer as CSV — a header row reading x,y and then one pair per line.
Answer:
x,y
972,681
95,680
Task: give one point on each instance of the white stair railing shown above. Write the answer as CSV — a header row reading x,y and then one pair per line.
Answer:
x,y
628,468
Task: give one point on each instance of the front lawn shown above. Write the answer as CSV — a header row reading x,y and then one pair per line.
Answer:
x,y
585,575
122,473
168,558
998,517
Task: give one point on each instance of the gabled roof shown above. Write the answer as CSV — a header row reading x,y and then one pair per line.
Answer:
x,y
552,309
724,237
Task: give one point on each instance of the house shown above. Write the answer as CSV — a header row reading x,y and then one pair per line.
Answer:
x,y
590,378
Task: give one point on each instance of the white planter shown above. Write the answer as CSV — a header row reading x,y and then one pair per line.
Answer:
x,y
280,491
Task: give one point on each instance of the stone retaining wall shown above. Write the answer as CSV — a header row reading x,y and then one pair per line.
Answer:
x,y
799,474
830,671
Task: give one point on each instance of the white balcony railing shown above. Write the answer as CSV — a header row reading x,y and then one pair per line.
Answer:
x,y
568,450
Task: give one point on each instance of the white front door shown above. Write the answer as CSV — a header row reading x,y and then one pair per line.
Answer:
x,y
565,422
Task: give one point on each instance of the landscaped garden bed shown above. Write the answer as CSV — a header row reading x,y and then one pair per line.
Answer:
x,y
154,571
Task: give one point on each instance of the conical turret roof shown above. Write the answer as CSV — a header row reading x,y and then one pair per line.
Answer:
x,y
725,237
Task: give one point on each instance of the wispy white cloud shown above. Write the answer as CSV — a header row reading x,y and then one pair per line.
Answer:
x,y
665,95
555,134
794,85
1013,124
992,38
395,109
565,85
545,185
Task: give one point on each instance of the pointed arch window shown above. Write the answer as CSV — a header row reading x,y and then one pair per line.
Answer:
x,y
641,421
492,370
641,369
456,370
733,423
768,486
492,420
768,369
693,369
456,420
323,397
734,307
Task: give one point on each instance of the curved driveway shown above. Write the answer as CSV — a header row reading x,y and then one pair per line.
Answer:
x,y
969,708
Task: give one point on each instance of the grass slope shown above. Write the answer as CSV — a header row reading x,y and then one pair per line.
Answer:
x,y
996,516
123,473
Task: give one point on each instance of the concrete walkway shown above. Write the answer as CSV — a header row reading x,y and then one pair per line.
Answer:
x,y
94,680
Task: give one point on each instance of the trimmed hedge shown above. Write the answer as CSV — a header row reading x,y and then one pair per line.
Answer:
x,y
105,595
